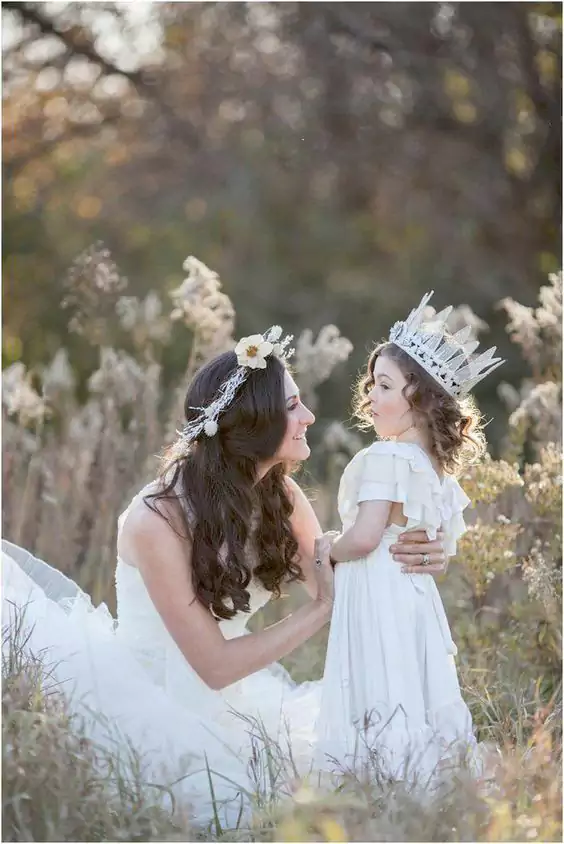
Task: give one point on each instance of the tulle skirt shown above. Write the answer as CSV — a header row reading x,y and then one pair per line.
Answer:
x,y
211,759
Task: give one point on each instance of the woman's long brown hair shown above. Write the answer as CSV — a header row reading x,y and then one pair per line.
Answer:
x,y
224,505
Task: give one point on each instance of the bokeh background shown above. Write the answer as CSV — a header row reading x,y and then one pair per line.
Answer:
x,y
326,164
332,161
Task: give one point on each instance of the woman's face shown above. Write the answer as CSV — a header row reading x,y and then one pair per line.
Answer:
x,y
294,447
391,412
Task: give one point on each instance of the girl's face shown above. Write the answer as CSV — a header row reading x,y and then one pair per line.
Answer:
x,y
391,412
294,447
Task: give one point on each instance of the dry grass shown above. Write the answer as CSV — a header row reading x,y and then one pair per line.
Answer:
x,y
70,467
57,786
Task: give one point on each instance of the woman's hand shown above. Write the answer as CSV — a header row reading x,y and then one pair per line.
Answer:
x,y
323,569
331,536
418,554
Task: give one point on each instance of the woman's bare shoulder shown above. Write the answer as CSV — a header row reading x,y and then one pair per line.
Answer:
x,y
153,522
293,489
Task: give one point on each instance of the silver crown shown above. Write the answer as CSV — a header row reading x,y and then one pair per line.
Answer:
x,y
251,354
448,358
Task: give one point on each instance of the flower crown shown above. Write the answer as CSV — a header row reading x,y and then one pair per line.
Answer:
x,y
252,353
448,358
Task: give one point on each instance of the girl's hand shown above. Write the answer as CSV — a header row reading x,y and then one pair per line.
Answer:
x,y
323,569
331,536
411,548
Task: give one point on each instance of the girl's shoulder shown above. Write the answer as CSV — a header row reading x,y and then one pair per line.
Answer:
x,y
384,448
411,454
392,462
410,463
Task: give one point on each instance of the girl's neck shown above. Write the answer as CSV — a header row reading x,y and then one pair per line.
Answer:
x,y
414,435
420,438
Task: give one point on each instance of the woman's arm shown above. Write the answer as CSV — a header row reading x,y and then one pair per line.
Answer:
x,y
366,533
305,527
164,561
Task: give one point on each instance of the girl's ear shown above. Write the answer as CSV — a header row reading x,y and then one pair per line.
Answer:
x,y
409,390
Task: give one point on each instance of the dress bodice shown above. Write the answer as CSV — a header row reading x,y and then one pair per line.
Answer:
x,y
137,611
142,629
403,472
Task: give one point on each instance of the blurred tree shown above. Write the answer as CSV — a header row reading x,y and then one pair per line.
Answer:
x,y
332,160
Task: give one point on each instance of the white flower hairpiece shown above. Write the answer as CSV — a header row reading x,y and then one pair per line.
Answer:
x,y
252,353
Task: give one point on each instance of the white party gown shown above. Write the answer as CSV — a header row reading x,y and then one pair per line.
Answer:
x,y
390,688
130,683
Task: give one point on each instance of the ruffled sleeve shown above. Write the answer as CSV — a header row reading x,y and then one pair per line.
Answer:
x,y
402,472
455,501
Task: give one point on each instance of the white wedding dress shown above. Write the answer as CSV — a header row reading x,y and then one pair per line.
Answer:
x,y
391,698
131,685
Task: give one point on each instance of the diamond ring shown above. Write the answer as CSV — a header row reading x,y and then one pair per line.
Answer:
x,y
318,563
426,560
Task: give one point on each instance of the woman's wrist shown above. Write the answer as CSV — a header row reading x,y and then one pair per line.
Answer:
x,y
323,608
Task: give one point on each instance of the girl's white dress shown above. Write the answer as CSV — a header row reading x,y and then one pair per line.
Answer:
x,y
127,679
390,688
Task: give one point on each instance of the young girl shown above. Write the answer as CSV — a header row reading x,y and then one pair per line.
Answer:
x,y
390,694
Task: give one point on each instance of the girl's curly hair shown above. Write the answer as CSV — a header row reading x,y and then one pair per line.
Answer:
x,y
454,425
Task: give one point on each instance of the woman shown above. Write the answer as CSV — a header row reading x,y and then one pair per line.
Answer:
x,y
199,551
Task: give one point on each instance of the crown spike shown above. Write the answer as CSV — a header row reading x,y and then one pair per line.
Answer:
x,y
457,362
451,350
471,383
416,314
463,335
471,347
445,351
443,315
486,357
433,343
